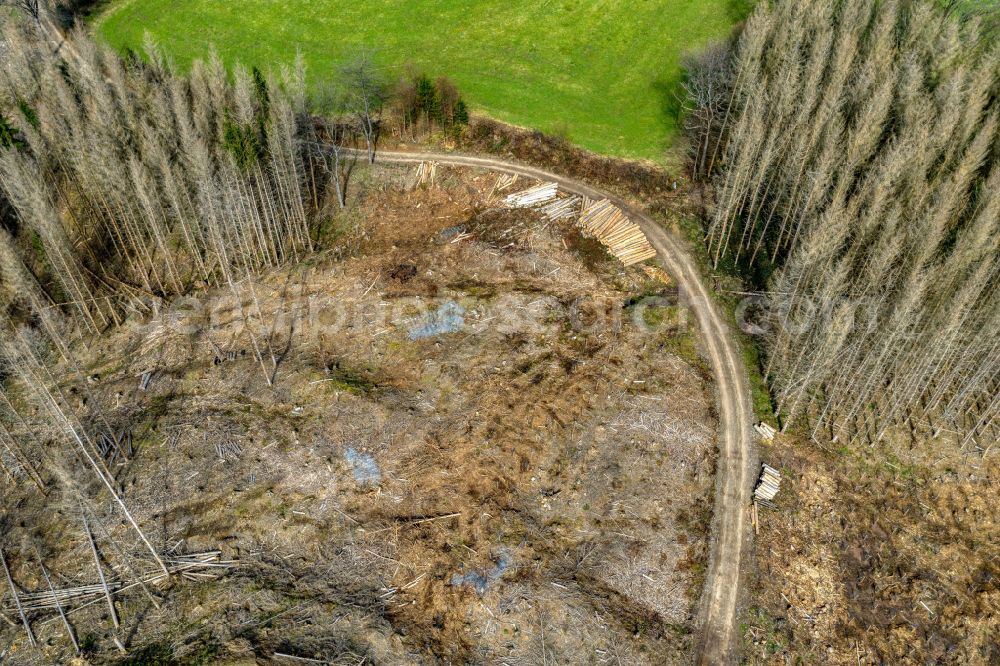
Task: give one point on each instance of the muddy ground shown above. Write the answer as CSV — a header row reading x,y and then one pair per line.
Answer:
x,y
486,442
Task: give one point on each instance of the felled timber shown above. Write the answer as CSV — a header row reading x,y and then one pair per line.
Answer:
x,y
115,448
504,182
228,450
55,600
100,574
17,601
657,273
561,209
195,566
424,175
765,431
768,485
612,228
601,220
533,196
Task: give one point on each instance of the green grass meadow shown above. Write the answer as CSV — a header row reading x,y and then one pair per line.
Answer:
x,y
602,73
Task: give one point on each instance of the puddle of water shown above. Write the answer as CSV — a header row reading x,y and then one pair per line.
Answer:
x,y
451,232
449,318
480,581
363,466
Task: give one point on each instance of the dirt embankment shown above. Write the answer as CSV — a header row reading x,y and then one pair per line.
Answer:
x,y
647,181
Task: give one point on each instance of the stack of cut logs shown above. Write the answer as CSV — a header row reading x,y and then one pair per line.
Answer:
x,y
623,238
763,494
561,208
765,431
532,197
767,485
602,219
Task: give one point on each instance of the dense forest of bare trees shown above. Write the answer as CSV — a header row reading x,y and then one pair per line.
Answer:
x,y
125,183
129,184
136,181
857,160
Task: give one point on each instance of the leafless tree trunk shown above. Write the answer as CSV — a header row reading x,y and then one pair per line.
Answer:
x,y
365,94
860,158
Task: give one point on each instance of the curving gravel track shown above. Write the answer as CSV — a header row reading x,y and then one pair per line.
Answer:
x,y
717,622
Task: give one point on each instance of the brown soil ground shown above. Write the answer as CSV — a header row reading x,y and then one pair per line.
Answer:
x,y
878,557
532,485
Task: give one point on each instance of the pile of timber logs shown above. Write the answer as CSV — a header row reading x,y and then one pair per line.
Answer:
x,y
765,431
561,209
767,486
623,238
602,219
532,197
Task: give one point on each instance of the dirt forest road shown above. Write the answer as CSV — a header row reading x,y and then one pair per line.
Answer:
x,y
717,622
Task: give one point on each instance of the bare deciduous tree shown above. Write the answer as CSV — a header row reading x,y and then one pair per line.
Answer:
x,y
330,104
364,96
32,8
708,88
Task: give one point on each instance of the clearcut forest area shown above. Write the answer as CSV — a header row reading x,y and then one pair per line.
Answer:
x,y
605,333
604,74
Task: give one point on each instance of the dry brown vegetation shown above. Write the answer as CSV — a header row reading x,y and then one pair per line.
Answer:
x,y
555,453
875,558
456,433
646,181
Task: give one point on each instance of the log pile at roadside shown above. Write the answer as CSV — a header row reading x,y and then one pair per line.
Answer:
x,y
623,238
602,220
767,486
533,197
766,431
